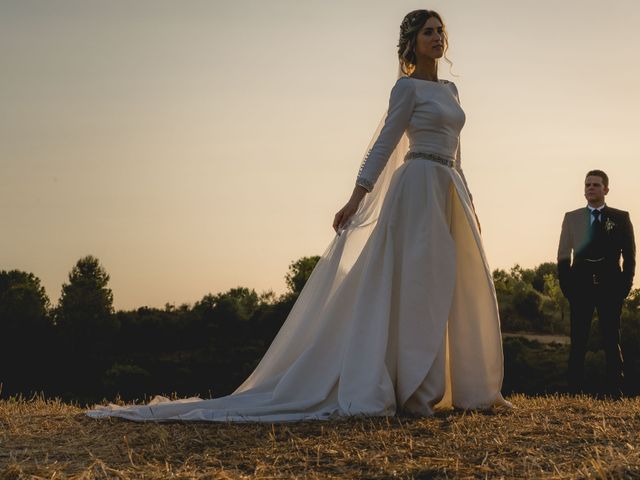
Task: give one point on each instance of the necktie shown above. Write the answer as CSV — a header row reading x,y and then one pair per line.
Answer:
x,y
596,217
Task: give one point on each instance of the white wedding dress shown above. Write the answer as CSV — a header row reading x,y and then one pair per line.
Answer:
x,y
400,313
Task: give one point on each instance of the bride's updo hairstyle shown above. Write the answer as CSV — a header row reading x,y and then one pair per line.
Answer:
x,y
409,28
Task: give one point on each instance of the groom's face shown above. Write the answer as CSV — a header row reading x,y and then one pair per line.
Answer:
x,y
594,189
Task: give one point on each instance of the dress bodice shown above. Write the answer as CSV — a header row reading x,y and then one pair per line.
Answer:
x,y
429,112
437,118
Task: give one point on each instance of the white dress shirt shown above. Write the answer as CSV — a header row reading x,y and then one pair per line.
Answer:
x,y
591,209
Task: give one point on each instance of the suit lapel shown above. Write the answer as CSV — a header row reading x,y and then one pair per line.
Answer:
x,y
615,221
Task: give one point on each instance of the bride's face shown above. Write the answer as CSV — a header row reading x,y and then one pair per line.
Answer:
x,y
430,41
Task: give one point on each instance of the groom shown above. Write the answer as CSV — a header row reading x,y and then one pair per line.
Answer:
x,y
593,280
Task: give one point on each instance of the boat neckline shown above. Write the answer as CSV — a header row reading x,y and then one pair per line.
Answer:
x,y
440,81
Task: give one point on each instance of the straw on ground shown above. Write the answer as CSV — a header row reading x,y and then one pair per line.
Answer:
x,y
542,437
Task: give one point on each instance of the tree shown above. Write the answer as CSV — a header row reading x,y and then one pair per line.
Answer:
x,y
227,314
527,303
23,302
24,323
540,273
86,325
85,315
519,302
632,302
237,304
560,303
299,273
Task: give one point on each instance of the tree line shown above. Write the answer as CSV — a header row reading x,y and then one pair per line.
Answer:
x,y
83,350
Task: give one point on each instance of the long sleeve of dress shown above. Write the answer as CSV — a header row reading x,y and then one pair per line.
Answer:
x,y
401,105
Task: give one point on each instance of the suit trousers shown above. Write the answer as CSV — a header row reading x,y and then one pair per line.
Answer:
x,y
608,304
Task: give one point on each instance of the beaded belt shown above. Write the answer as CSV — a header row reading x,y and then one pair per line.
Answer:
x,y
434,157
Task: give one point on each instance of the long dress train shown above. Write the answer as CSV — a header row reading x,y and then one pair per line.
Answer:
x,y
400,313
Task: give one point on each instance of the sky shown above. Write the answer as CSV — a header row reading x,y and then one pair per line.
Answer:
x,y
197,146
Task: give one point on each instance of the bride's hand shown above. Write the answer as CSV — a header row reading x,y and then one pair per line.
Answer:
x,y
341,219
344,215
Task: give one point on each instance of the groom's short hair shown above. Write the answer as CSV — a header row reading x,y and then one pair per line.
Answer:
x,y
601,174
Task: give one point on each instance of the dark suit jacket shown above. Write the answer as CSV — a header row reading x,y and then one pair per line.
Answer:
x,y
618,240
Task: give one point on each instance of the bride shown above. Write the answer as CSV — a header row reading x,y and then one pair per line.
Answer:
x,y
400,313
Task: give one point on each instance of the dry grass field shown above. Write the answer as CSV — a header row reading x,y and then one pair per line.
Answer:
x,y
543,437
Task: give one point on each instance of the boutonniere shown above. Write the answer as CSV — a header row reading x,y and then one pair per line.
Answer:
x,y
609,224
